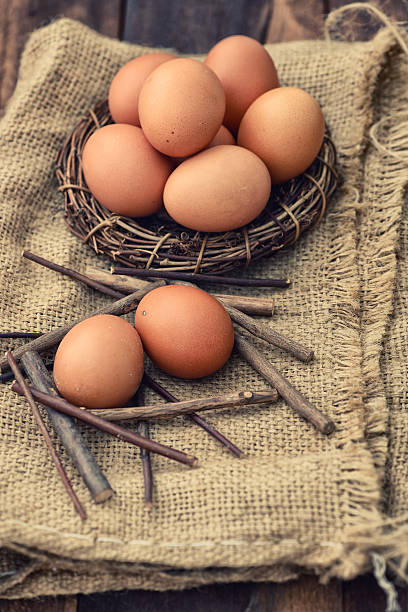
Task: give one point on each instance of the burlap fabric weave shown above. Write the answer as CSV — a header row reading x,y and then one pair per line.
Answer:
x,y
298,500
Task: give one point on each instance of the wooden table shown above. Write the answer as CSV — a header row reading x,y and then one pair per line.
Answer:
x,y
192,26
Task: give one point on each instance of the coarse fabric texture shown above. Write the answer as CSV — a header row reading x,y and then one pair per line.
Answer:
x,y
298,500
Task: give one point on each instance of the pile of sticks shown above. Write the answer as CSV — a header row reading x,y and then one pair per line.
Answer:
x,y
127,287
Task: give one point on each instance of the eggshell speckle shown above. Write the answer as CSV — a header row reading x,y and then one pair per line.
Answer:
x,y
99,363
246,70
181,107
285,127
219,189
123,99
185,331
124,172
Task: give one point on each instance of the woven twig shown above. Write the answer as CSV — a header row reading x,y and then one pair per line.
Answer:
x,y
159,242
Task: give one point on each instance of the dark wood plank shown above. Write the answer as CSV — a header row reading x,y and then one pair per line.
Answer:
x,y
20,17
303,595
45,604
306,594
191,26
226,598
363,593
291,21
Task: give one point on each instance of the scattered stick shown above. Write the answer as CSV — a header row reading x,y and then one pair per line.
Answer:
x,y
50,339
72,274
37,415
201,278
171,410
153,384
266,333
8,376
263,307
68,431
120,282
18,334
127,284
60,404
293,397
143,430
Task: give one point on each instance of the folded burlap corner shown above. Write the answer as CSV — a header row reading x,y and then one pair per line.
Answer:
x,y
298,500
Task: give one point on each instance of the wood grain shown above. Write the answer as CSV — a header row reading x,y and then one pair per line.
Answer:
x,y
191,26
216,598
43,604
291,20
234,399
20,17
306,594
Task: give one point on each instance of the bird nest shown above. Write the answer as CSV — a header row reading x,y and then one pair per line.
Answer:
x,y
159,242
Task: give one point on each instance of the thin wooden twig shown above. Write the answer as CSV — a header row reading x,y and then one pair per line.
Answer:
x,y
68,431
171,410
8,376
41,425
265,332
50,339
143,430
60,404
201,278
198,420
291,395
72,274
270,335
19,334
262,306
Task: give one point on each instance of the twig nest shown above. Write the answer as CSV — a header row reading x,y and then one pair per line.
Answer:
x,y
157,241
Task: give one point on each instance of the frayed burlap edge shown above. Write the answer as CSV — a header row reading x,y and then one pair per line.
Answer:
x,y
378,223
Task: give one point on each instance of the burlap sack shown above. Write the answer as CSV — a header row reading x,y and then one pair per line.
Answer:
x,y
298,500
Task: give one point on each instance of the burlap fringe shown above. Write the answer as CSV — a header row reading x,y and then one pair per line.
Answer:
x,y
389,137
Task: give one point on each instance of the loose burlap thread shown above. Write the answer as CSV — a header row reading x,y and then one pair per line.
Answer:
x,y
298,500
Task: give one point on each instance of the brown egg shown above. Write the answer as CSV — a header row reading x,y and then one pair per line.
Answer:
x,y
181,107
219,189
246,70
124,172
99,363
222,137
285,127
185,331
126,85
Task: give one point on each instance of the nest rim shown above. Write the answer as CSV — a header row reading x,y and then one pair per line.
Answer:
x,y
158,242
